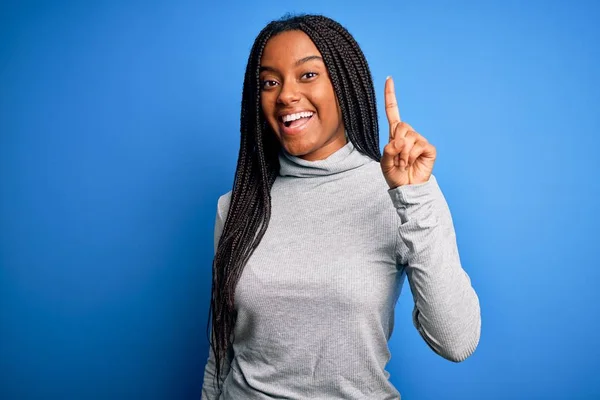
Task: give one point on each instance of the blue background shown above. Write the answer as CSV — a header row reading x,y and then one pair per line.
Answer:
x,y
119,129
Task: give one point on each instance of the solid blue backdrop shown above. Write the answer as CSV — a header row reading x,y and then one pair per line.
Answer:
x,y
119,129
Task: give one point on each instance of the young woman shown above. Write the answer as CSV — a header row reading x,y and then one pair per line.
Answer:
x,y
314,241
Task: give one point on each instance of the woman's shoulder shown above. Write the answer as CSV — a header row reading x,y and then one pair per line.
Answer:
x,y
223,204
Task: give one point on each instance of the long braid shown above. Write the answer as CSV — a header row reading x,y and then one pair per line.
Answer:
x,y
360,69
258,164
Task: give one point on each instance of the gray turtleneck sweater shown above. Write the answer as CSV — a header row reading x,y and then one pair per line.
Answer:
x,y
315,302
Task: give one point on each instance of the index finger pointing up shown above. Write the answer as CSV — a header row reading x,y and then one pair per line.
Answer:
x,y
391,105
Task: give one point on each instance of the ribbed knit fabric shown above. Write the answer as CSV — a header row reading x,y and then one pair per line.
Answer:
x,y
316,300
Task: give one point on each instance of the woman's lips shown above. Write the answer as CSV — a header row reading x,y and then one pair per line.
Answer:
x,y
296,126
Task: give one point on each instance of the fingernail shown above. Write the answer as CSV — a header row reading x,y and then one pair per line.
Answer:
x,y
388,77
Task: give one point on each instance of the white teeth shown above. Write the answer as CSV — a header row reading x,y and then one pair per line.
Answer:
x,y
293,117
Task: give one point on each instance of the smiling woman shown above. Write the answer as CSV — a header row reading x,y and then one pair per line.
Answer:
x,y
297,97
314,241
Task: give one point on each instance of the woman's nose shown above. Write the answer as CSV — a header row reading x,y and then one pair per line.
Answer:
x,y
289,93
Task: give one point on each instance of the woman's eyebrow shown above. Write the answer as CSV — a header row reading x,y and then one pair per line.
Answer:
x,y
297,63
307,58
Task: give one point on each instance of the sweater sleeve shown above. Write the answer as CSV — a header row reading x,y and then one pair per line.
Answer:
x,y
210,391
446,312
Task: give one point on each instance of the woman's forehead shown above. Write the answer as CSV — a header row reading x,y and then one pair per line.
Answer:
x,y
288,47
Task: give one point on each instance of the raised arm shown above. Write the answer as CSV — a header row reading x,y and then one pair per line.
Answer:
x,y
446,311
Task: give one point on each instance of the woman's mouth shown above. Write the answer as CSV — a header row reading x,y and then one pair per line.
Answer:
x,y
294,123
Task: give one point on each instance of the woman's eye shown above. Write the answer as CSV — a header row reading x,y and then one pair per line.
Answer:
x,y
268,84
309,75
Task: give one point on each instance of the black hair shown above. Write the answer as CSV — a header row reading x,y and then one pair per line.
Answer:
x,y
258,162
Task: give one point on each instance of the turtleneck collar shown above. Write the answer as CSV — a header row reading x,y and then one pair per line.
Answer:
x,y
344,159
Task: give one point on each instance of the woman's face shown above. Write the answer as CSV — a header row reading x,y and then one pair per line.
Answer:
x,y
297,97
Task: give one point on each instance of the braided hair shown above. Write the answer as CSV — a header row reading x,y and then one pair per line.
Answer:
x,y
258,162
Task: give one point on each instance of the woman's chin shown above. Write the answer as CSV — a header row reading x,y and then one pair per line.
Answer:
x,y
297,148
293,150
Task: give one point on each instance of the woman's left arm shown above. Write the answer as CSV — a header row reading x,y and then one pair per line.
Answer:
x,y
446,312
